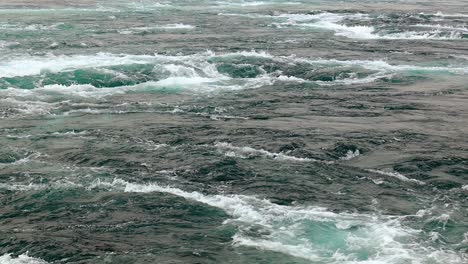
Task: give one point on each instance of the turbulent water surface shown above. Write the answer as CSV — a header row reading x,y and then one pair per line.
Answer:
x,y
185,131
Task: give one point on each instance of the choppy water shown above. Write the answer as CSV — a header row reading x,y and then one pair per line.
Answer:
x,y
234,132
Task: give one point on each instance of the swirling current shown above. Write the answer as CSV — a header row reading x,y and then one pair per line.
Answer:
x,y
240,131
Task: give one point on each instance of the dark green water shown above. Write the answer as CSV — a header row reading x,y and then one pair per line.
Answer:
x,y
234,132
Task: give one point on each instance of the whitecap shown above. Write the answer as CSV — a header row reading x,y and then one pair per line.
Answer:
x,y
26,107
439,26
397,175
220,117
440,14
247,152
253,3
351,155
30,27
62,184
177,26
21,259
194,72
29,65
334,22
310,232
296,230
70,133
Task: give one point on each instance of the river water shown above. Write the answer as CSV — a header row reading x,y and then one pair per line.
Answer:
x,y
234,132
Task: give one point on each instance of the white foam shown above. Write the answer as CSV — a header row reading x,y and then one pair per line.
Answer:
x,y
26,107
351,155
285,229
334,22
309,232
445,27
18,136
70,133
31,27
21,259
177,26
397,175
251,53
220,117
82,90
299,251
247,152
440,14
253,3
146,5
414,35
23,187
241,3
62,184
355,80
294,79
185,81
193,72
463,57
384,67
24,66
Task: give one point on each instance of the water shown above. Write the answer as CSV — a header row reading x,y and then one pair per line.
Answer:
x,y
233,132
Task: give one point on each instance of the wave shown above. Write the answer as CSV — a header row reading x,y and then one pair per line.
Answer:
x,y
310,232
177,26
385,67
44,77
21,259
242,3
25,107
459,15
337,23
253,3
30,27
429,35
39,187
443,27
143,5
26,66
397,175
351,155
248,152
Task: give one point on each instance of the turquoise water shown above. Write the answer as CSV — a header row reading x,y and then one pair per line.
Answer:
x,y
233,132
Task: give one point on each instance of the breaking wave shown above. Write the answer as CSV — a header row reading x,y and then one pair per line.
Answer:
x,y
231,70
249,152
310,232
21,259
365,26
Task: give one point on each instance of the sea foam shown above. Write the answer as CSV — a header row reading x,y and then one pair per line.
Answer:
x,y
21,259
336,23
197,72
246,152
310,232
397,175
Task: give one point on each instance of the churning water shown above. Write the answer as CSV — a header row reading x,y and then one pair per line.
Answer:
x,y
239,131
